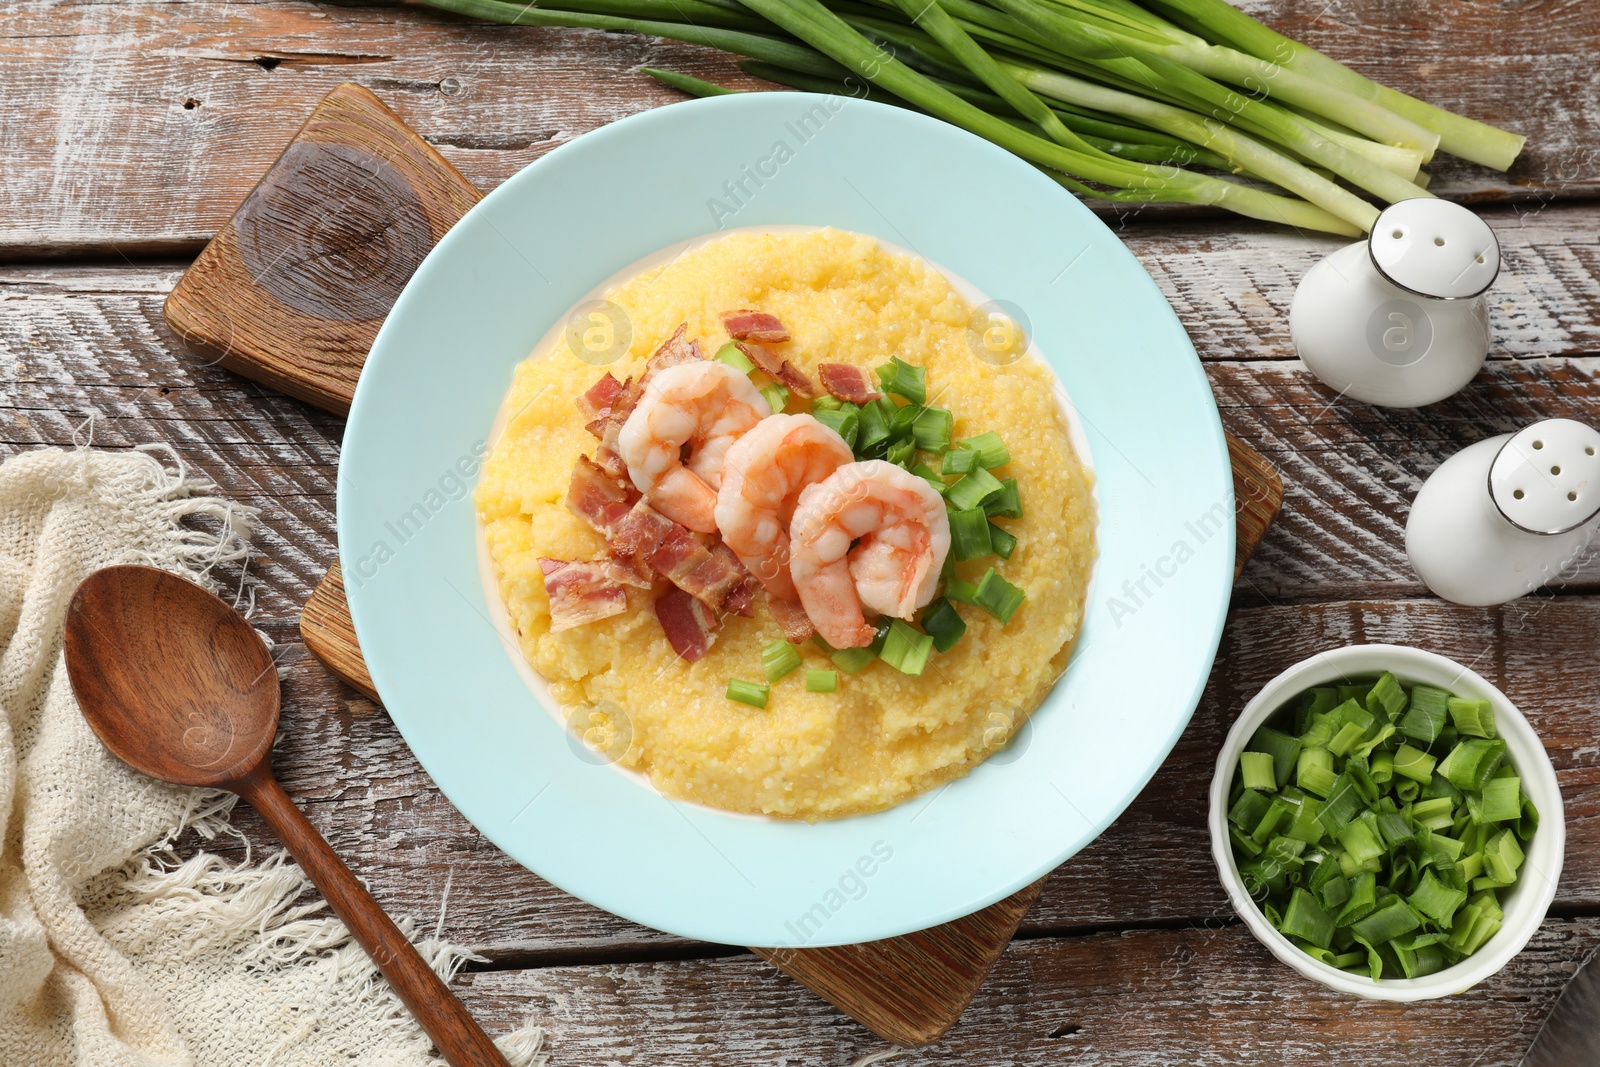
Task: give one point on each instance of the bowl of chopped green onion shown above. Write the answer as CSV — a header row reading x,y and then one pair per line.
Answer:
x,y
1387,823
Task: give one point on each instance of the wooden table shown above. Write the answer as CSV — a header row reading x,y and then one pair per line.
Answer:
x,y
130,130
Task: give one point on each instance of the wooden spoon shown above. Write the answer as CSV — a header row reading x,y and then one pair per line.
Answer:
x,y
178,686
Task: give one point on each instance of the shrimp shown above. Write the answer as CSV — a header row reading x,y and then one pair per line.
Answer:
x,y
762,477
701,407
870,536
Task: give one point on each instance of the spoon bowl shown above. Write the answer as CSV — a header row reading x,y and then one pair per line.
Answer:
x,y
173,680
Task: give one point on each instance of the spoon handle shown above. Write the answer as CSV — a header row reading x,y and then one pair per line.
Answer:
x,y
454,1032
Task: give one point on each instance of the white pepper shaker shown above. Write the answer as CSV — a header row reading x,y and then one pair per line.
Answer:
x,y
1503,517
1400,319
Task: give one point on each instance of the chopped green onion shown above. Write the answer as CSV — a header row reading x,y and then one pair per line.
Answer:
x,y
843,420
1343,804
1427,717
1306,826
902,453
961,591
1346,739
1387,922
902,379
1255,770
1501,801
1249,809
1435,813
1502,856
1307,920
1314,771
1473,718
944,624
1006,504
1436,900
777,396
874,427
1470,764
778,659
821,681
825,402
969,534
1414,763
992,451
849,660
1285,751
932,429
901,420
906,649
1002,541
1386,697
973,489
752,693
735,358
997,596
1362,840
959,461
931,476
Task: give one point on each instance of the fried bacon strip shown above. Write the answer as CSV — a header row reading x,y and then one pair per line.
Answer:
x,y
792,619
780,369
584,592
759,327
673,351
710,574
847,383
690,626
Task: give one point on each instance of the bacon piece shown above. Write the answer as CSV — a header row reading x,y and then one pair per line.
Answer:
x,y
598,400
597,498
792,619
582,592
792,377
760,327
676,554
690,626
847,383
673,351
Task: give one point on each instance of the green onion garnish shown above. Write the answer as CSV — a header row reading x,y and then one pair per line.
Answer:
x,y
932,428
902,379
777,396
959,461
1007,504
874,426
849,660
942,623
1002,541
969,534
973,489
992,451
902,453
752,693
960,590
733,357
822,681
778,659
906,649
997,596
1376,828
901,419
826,402
843,420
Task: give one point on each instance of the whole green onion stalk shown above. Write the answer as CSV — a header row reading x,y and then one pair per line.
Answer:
x,y
1114,99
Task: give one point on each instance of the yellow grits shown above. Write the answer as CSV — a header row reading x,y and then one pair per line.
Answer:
x,y
883,736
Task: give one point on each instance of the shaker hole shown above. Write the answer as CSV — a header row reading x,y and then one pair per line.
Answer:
x,y
1589,451
1518,494
1481,259
1555,470
1439,241
1572,496
1398,234
1538,444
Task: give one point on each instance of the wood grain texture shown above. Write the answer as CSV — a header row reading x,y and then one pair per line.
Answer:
x,y
1205,996
292,290
140,126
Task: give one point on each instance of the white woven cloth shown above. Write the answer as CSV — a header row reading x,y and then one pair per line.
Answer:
x,y
112,953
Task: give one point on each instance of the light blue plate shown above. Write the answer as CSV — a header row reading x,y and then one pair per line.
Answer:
x,y
532,249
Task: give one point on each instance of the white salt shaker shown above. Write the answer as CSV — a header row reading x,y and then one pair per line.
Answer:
x,y
1400,319
1503,517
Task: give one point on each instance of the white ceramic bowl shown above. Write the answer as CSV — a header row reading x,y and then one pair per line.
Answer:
x,y
1525,905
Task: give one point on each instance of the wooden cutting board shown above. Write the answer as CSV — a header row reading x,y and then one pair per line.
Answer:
x,y
291,293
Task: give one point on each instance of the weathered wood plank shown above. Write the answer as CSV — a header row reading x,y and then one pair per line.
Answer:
x,y
343,761
1200,997
140,126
